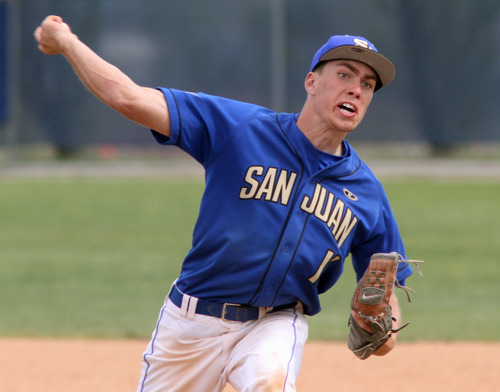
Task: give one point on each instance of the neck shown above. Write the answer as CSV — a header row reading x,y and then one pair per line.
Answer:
x,y
323,139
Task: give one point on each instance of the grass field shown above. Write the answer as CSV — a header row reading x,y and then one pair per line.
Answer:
x,y
95,257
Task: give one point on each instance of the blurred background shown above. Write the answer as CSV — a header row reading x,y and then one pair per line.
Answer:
x,y
94,256
444,100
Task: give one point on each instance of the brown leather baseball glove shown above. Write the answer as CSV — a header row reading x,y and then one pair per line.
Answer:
x,y
370,305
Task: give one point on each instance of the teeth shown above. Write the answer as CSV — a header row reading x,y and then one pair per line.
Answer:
x,y
347,107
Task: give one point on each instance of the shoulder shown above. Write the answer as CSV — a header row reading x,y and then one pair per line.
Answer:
x,y
363,168
366,174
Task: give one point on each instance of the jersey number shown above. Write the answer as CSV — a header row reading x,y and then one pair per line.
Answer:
x,y
329,258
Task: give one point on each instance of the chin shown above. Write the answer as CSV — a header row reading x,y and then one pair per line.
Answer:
x,y
347,129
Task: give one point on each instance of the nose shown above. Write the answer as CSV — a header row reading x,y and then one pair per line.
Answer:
x,y
355,90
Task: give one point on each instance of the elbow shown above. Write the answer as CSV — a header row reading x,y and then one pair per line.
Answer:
x,y
144,106
117,95
123,103
124,107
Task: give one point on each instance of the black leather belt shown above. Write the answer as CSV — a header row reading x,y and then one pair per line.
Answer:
x,y
227,311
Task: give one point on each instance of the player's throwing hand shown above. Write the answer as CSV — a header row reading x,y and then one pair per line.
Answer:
x,y
50,35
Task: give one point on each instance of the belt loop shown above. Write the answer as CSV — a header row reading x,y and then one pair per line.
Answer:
x,y
191,307
188,305
186,299
263,311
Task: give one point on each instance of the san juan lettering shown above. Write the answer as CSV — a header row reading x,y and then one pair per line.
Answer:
x,y
273,184
324,206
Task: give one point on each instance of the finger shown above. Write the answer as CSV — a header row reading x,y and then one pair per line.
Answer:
x,y
66,26
41,49
36,34
54,18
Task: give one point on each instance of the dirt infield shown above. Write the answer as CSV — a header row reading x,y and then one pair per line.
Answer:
x,y
114,366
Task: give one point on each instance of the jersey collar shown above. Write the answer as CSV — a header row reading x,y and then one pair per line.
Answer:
x,y
346,165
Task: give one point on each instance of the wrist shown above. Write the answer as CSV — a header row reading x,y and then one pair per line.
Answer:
x,y
387,346
67,42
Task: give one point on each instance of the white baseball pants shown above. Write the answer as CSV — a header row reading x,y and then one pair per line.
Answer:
x,y
189,352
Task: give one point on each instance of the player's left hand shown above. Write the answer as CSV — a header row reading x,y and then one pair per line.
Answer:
x,y
51,35
372,325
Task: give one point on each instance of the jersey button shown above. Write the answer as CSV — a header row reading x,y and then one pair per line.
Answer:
x,y
286,248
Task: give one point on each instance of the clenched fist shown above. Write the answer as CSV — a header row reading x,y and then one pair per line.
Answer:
x,y
51,35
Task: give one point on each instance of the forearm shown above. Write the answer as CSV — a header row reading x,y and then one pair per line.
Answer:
x,y
143,105
103,79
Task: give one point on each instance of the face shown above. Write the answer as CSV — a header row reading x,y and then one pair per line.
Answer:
x,y
340,93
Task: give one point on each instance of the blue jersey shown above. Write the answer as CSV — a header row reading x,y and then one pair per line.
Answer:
x,y
277,217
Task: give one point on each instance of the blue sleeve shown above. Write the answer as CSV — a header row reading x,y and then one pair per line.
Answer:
x,y
201,124
384,238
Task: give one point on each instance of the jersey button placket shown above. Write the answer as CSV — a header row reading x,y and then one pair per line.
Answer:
x,y
289,241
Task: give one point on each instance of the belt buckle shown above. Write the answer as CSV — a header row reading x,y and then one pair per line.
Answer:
x,y
224,310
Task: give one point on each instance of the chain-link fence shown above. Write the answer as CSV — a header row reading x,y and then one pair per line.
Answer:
x,y
257,51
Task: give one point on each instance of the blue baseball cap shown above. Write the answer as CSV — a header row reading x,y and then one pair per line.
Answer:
x,y
349,47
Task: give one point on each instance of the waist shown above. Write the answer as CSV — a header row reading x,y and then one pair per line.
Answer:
x,y
224,311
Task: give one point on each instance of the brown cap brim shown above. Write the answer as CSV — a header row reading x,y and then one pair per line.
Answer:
x,y
383,67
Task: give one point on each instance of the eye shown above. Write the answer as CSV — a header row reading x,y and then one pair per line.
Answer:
x,y
369,85
343,75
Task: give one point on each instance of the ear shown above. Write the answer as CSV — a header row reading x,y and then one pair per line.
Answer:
x,y
310,82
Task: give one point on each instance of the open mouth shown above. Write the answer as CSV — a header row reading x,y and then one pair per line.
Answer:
x,y
347,108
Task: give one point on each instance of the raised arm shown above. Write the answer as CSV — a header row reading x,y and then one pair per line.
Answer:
x,y
145,106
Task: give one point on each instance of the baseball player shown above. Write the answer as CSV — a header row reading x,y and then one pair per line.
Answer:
x,y
287,199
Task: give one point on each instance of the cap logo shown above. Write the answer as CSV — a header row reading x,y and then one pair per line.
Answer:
x,y
362,43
